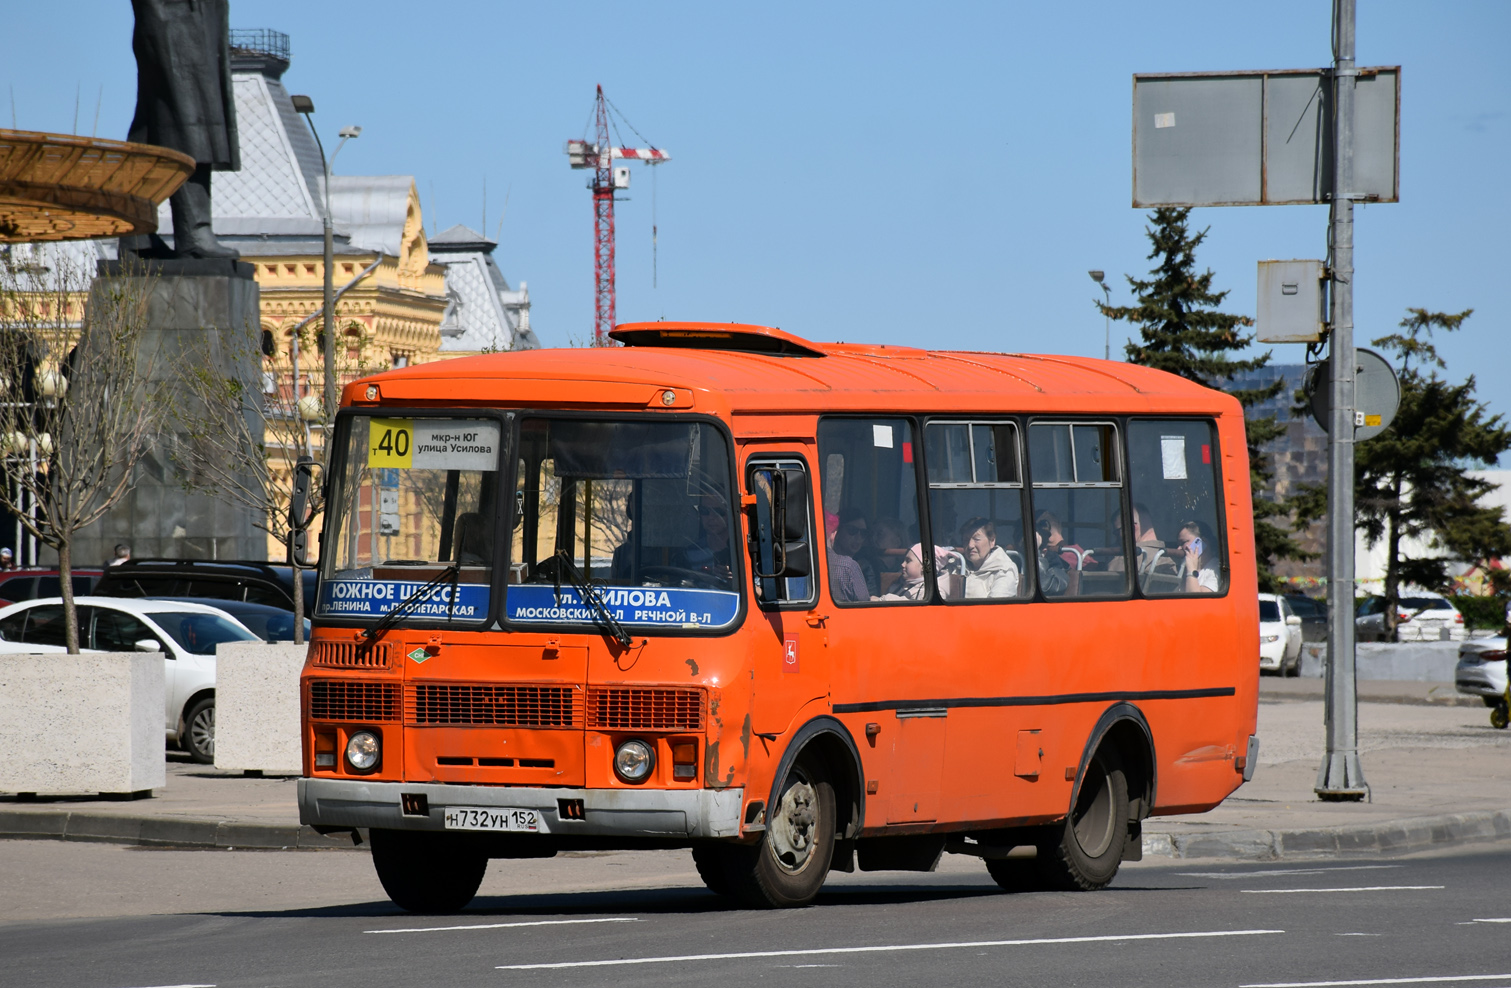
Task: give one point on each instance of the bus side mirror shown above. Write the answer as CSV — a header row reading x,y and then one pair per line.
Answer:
x,y
781,525
300,515
796,559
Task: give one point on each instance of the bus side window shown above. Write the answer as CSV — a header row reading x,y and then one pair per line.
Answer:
x,y
1077,508
976,510
870,510
1180,545
781,542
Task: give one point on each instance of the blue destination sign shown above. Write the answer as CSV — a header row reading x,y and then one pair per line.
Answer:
x,y
374,598
678,607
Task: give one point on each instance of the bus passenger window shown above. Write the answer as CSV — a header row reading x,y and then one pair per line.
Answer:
x,y
1172,467
976,509
781,546
870,511
1077,509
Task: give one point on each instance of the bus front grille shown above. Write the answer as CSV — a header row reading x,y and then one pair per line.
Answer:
x,y
342,699
436,704
351,655
631,708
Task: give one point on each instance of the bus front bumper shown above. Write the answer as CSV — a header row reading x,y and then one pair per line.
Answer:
x,y
338,803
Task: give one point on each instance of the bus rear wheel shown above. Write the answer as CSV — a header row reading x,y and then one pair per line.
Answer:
x,y
425,872
788,867
1089,847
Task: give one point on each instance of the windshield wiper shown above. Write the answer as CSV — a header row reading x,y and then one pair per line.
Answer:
x,y
390,619
590,597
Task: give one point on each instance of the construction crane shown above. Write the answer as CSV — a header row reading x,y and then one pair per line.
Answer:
x,y
606,179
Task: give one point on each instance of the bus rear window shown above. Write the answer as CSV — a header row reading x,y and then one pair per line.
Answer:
x,y
1172,465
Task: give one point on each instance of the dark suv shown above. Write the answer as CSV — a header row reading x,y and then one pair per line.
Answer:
x,y
259,583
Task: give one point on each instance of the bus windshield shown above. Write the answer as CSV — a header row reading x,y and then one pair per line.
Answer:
x,y
413,509
639,509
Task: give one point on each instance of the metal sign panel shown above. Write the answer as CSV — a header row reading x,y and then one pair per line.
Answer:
x,y
1377,394
1290,302
1259,138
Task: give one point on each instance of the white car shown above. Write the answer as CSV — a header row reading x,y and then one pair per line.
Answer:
x,y
1481,670
1422,617
185,633
1279,636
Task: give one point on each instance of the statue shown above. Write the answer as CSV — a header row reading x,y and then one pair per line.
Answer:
x,y
184,102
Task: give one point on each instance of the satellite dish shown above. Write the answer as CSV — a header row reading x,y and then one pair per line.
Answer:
x,y
1377,394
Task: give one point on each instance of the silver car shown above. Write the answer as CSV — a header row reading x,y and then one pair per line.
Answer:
x,y
1481,670
1421,617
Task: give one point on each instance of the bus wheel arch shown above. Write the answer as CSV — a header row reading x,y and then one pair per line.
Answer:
x,y
829,741
1123,728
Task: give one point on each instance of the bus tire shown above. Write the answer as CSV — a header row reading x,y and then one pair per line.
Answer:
x,y
788,867
1015,874
426,873
1089,846
713,865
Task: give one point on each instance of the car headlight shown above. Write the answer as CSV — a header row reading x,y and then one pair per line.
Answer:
x,y
1266,639
363,751
634,760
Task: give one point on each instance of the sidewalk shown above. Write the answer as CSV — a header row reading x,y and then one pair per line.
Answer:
x,y
1439,775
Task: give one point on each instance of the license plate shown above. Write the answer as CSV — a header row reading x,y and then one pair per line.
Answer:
x,y
482,818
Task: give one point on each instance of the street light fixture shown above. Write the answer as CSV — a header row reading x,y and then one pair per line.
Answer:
x,y
306,106
1098,276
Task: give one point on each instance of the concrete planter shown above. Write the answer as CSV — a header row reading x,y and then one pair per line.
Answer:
x,y
82,723
1423,662
257,707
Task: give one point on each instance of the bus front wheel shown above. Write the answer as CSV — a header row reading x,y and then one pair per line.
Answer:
x,y
787,868
426,873
1089,847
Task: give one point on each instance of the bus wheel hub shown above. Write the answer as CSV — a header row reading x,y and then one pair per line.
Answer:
x,y
792,828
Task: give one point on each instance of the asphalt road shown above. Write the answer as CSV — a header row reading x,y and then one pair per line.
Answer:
x,y
96,916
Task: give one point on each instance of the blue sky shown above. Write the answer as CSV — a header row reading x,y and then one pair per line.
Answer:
x,y
940,176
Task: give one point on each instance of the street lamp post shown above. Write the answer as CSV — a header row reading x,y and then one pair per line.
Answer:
x,y
1098,276
306,106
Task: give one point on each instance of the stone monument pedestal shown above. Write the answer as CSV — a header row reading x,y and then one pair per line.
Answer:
x,y
197,307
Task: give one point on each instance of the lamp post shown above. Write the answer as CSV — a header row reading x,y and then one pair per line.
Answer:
x,y
306,106
1098,276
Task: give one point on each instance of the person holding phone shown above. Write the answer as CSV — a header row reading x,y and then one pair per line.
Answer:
x,y
1200,558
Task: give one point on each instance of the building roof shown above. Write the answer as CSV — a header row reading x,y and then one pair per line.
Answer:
x,y
838,376
483,312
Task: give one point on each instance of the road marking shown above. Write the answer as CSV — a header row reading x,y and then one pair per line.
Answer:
x,y
1358,934
1382,981
1281,871
882,949
182,986
1499,920
507,926
1359,888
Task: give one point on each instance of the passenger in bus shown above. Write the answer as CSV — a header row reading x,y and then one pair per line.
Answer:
x,y
852,540
910,584
989,572
846,582
1150,548
711,553
1199,553
1054,573
1052,540
888,539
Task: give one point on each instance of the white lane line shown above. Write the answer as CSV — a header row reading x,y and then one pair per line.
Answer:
x,y
1281,871
507,926
182,986
1358,934
1443,979
882,949
1506,919
1359,888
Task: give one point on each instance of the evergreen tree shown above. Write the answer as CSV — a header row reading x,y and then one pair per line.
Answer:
x,y
1183,331
1412,480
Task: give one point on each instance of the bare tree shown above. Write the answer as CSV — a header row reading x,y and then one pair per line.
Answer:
x,y
78,408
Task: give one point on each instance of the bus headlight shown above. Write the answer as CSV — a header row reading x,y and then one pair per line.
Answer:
x,y
363,751
634,760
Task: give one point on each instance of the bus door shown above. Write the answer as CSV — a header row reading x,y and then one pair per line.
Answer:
x,y
791,662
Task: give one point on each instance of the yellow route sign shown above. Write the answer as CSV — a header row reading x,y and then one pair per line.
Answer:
x,y
390,443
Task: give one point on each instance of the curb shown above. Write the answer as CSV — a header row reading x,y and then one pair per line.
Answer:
x,y
1388,838
112,828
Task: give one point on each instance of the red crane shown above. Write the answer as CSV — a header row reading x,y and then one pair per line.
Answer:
x,y
600,156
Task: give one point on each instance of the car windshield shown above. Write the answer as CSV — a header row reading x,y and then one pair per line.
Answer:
x,y
641,509
200,633
415,504
1269,610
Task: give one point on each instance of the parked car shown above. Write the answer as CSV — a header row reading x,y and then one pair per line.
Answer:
x,y
1481,670
271,624
1422,617
186,634
29,584
1279,636
257,583
1313,615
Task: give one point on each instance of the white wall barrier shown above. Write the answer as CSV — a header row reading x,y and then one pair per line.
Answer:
x,y
1429,662
82,723
257,707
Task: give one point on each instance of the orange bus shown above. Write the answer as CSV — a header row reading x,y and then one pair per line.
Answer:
x,y
797,606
